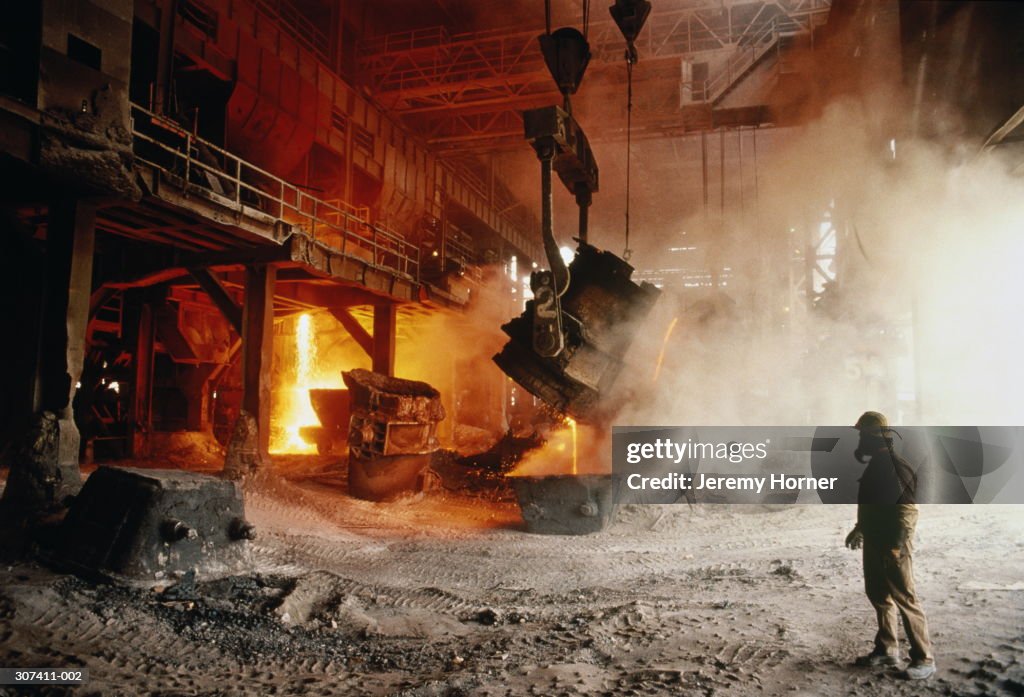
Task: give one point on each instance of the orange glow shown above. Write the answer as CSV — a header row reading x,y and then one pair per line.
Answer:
x,y
664,344
296,411
576,449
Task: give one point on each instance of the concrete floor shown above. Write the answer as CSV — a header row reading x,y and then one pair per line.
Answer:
x,y
444,595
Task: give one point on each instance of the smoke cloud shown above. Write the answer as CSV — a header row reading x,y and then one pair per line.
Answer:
x,y
920,322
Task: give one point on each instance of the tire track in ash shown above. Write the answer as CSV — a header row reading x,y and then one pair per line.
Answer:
x,y
394,598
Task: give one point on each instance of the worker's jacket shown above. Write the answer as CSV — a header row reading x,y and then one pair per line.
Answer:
x,y
887,501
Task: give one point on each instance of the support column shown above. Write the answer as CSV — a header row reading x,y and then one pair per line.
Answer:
x,y
22,283
141,417
45,471
197,390
248,451
385,322
165,57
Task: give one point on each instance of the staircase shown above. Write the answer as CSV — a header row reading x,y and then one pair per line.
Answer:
x,y
741,62
108,317
770,40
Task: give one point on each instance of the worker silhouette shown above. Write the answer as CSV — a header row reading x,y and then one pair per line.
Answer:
x,y
886,518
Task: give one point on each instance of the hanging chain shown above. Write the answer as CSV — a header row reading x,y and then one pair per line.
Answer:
x,y
630,60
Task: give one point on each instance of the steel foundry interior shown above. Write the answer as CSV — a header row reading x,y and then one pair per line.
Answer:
x,y
339,331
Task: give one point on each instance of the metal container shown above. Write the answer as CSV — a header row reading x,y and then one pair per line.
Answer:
x,y
566,504
139,523
600,313
392,434
332,410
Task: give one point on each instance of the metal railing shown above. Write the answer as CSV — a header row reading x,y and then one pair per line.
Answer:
x,y
198,166
740,62
457,247
432,38
523,234
752,49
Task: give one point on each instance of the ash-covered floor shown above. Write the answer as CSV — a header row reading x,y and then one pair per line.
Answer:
x,y
443,595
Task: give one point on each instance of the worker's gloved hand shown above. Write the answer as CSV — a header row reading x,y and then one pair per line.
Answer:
x,y
855,539
897,553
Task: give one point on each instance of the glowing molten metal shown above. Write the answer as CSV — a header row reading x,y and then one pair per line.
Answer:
x,y
295,410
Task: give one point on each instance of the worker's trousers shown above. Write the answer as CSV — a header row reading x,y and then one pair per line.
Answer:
x,y
889,582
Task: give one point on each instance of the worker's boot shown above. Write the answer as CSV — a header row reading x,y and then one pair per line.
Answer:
x,y
920,670
876,660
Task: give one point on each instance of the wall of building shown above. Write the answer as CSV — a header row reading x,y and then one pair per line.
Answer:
x,y
288,107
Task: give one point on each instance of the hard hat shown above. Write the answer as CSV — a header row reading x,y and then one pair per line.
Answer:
x,y
872,421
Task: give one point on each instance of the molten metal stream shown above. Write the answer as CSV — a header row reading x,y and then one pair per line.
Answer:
x,y
301,413
298,411
664,344
572,426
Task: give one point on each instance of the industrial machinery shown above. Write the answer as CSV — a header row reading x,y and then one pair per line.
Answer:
x,y
332,410
568,345
565,504
392,434
596,319
146,524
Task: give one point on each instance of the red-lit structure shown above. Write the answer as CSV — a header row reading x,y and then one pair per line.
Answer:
x,y
200,170
183,175
468,89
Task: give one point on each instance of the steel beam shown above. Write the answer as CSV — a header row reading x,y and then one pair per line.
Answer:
x,y
44,469
220,297
354,328
258,349
140,416
385,324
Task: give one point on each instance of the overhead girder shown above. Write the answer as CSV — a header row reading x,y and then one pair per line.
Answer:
x,y
468,89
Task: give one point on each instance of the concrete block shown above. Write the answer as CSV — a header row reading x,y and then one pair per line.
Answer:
x,y
143,523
